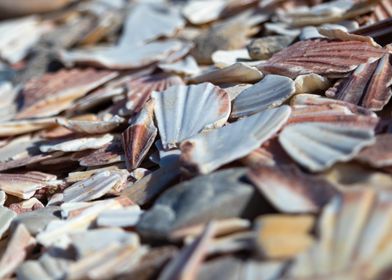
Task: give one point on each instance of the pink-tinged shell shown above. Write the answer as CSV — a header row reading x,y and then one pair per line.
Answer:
x,y
138,138
52,93
323,57
368,86
140,89
290,190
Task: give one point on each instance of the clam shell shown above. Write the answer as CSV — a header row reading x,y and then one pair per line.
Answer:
x,y
95,187
91,127
237,73
292,191
79,144
318,146
52,93
184,111
124,57
205,153
327,58
270,92
146,22
138,138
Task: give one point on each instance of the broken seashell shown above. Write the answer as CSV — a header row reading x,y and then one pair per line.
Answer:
x,y
317,146
292,191
186,66
226,58
6,217
138,138
265,47
17,127
270,92
237,73
310,83
193,109
200,12
378,154
202,154
126,217
79,144
91,127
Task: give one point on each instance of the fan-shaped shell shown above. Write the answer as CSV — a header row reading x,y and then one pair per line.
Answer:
x,y
270,92
184,111
205,153
318,146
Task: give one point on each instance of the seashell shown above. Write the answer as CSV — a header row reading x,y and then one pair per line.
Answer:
x,y
379,31
26,184
18,37
265,47
52,93
95,187
283,236
230,34
347,241
189,259
226,58
327,58
368,86
194,108
127,217
138,138
20,244
236,73
6,217
205,153
270,92
140,89
167,157
17,127
186,66
200,12
378,154
148,187
91,127
25,7
147,22
292,191
26,206
85,243
339,34
310,83
124,57
318,146
234,91
79,144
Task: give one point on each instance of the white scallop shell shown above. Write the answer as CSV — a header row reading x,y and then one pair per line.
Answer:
x,y
318,146
184,111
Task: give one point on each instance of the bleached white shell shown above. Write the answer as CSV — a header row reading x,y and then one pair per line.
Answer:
x,y
78,144
184,111
146,22
318,146
93,188
226,58
270,92
199,11
205,153
187,66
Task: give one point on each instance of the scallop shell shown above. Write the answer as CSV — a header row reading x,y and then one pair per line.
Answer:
x,y
147,22
323,57
138,138
184,111
270,92
205,153
318,146
95,187
124,57
52,93
237,73
292,191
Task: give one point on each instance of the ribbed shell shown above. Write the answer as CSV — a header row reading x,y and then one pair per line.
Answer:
x,y
318,146
205,153
184,111
270,92
323,57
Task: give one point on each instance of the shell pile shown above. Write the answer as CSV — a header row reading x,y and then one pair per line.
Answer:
x,y
196,139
